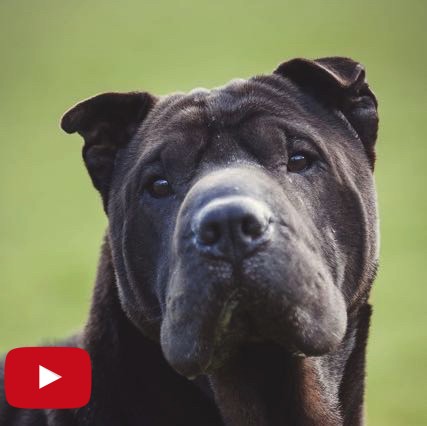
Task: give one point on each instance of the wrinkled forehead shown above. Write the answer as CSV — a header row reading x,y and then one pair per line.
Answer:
x,y
247,119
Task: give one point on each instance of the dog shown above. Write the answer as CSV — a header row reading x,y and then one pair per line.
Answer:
x,y
241,247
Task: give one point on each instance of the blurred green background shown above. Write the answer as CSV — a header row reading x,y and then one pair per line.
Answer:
x,y
51,221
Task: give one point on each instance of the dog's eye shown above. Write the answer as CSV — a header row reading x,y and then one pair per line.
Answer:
x,y
299,162
160,188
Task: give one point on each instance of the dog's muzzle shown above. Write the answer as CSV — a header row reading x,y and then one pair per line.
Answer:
x,y
246,266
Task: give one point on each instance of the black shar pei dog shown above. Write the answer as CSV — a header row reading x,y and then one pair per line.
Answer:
x,y
241,248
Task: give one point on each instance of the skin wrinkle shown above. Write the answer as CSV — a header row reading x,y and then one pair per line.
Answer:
x,y
367,271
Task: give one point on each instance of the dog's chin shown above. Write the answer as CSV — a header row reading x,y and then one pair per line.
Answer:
x,y
192,353
207,359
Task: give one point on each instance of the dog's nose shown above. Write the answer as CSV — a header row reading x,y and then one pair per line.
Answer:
x,y
232,227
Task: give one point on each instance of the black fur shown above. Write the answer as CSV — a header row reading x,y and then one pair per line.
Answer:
x,y
238,297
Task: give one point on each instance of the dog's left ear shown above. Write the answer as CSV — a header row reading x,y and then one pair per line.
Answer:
x,y
107,123
341,84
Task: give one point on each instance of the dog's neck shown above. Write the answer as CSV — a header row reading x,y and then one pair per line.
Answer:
x,y
267,387
262,386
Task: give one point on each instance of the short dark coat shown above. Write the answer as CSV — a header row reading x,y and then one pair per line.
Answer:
x,y
243,333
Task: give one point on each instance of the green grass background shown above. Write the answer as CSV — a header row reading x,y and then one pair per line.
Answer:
x,y
54,53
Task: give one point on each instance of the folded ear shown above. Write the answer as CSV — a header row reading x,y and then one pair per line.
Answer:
x,y
341,84
107,123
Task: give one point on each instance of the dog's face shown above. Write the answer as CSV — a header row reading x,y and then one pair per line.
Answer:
x,y
240,214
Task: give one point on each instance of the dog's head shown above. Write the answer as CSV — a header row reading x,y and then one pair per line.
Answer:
x,y
245,213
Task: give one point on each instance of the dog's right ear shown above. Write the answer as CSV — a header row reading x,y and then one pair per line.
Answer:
x,y
107,123
341,84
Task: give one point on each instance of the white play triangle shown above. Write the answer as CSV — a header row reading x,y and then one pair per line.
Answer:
x,y
46,377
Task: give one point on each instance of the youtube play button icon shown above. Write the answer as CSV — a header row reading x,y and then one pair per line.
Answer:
x,y
48,377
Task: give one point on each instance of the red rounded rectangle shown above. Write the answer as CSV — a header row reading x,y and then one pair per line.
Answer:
x,y
48,377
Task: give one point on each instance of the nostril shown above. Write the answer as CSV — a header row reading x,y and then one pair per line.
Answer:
x,y
253,226
209,233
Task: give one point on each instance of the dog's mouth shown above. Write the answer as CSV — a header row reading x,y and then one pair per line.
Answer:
x,y
202,329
